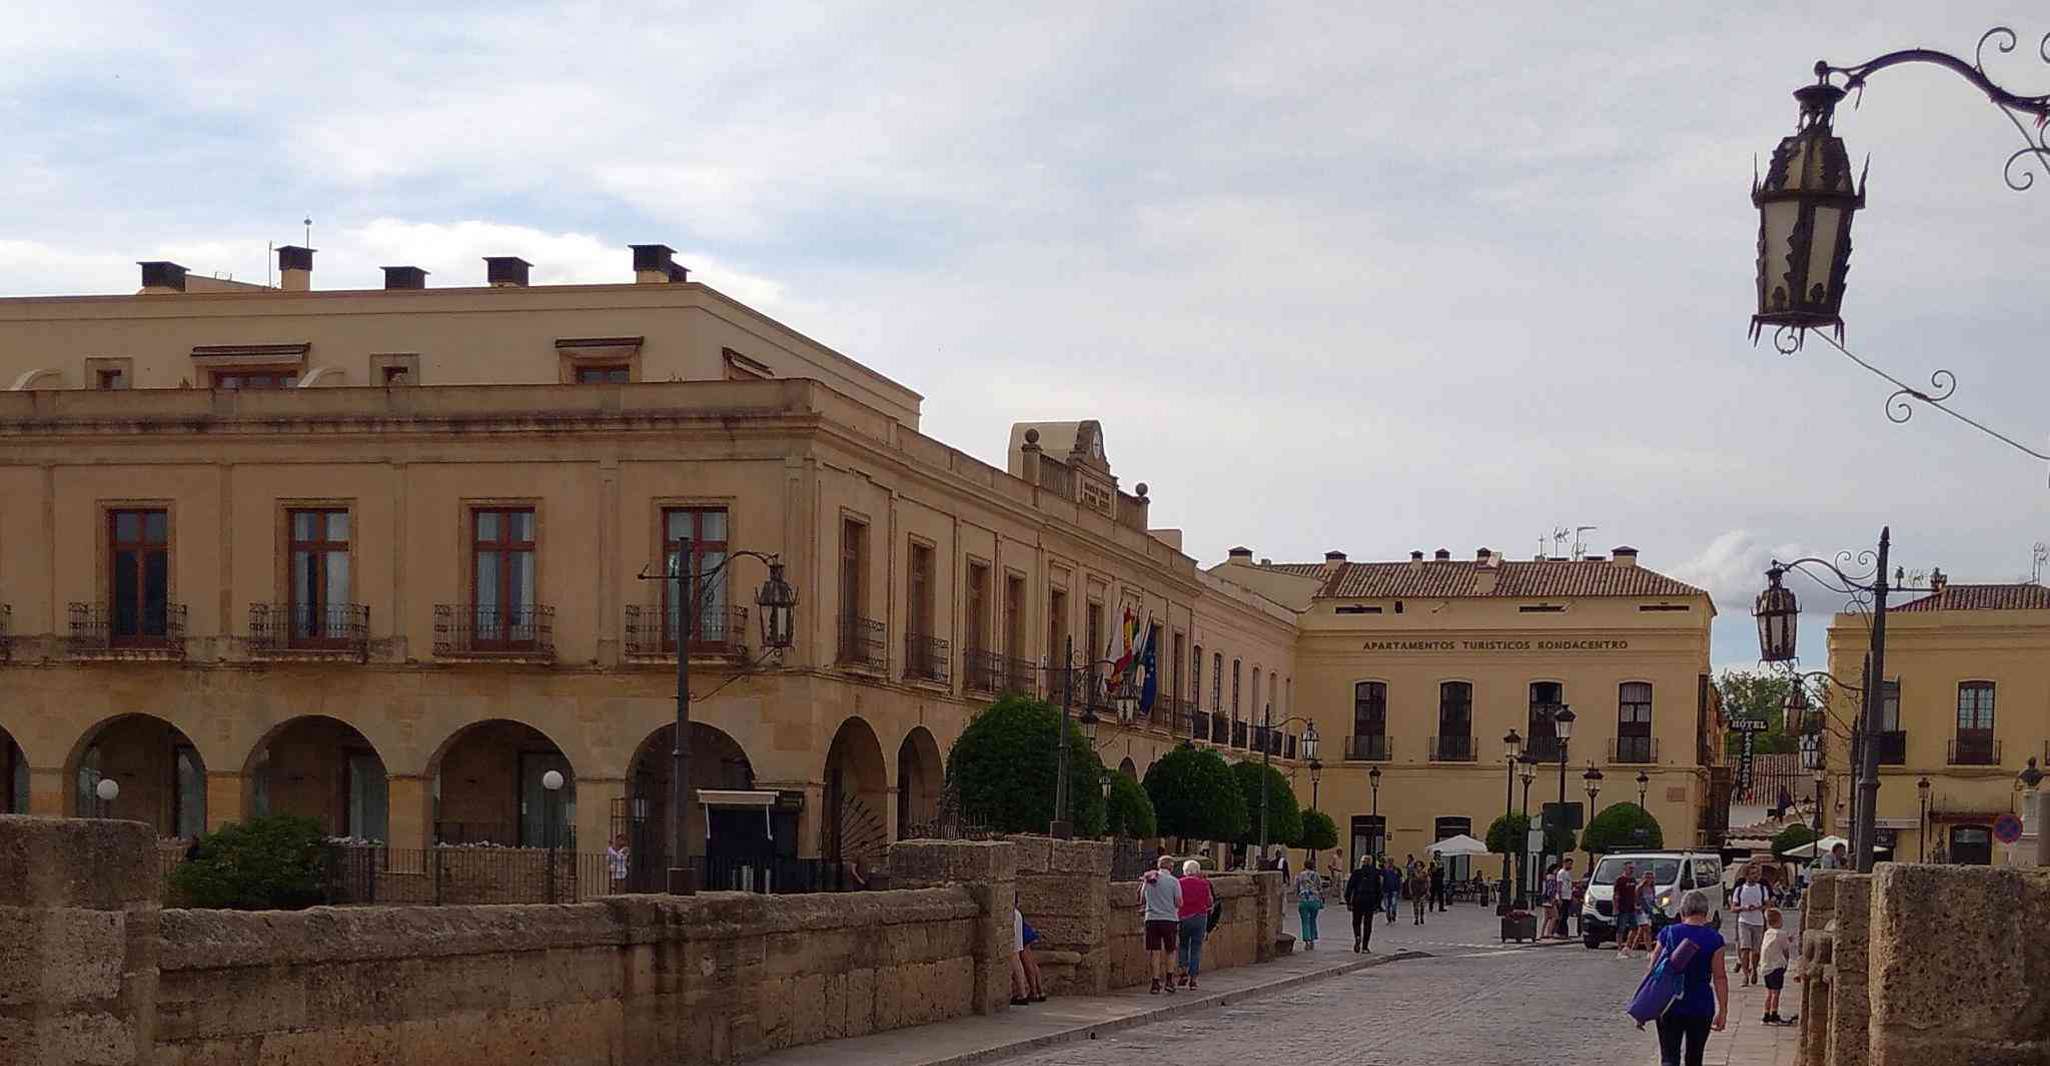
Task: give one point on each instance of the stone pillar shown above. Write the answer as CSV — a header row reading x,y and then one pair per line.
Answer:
x,y
1817,913
409,811
78,941
1267,885
1959,965
1850,1005
1060,890
227,799
988,869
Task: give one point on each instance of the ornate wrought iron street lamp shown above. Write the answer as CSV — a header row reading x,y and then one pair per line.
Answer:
x,y
1778,612
1512,750
1922,830
1593,779
1643,785
1308,746
1528,774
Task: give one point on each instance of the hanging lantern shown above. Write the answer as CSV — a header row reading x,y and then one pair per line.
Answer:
x,y
1779,615
778,603
1805,203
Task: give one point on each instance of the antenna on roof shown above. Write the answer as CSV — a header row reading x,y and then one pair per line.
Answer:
x,y
2037,556
270,252
1580,542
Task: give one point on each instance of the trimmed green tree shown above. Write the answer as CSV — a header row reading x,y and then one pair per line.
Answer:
x,y
1507,834
1793,837
1284,817
1320,833
1004,766
1622,827
1194,796
264,864
1129,811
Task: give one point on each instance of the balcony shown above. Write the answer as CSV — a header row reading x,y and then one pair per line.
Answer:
x,y
984,671
1543,749
1367,747
862,643
127,631
1220,728
717,632
1452,749
1260,737
1974,751
1199,725
1632,750
1021,676
1238,734
513,633
927,658
1893,747
336,631
1288,742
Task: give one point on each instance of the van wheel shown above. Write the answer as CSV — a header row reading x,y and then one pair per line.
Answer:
x,y
1591,940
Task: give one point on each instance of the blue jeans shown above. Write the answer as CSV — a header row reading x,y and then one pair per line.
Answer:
x,y
1308,911
1390,901
1189,949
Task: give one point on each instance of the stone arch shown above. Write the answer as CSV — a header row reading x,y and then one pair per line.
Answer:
x,y
717,761
920,778
13,775
320,767
487,787
853,825
1129,768
161,775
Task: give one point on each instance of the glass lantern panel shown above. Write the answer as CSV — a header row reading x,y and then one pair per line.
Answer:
x,y
1822,245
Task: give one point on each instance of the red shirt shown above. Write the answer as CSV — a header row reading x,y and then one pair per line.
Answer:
x,y
1195,896
1626,894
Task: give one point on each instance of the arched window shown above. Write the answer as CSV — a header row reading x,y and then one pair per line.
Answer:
x,y
1633,723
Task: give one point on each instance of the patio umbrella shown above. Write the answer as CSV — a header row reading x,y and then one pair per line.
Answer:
x,y
1809,850
1459,845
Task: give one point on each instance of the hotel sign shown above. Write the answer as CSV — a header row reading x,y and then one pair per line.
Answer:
x,y
1496,645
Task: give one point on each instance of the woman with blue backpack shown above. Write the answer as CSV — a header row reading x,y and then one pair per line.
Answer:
x,y
1687,990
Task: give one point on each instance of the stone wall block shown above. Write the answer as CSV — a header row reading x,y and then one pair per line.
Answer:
x,y
1850,1010
1960,971
1089,858
919,863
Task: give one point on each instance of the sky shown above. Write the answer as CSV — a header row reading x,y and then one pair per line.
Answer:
x,y
1371,277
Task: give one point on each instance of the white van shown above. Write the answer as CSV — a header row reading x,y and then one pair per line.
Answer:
x,y
1674,872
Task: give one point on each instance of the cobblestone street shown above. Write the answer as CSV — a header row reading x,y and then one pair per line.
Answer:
x,y
1474,1002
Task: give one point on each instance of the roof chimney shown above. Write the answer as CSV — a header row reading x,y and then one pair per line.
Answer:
x,y
1242,556
159,276
506,271
652,265
1480,555
1334,557
1442,555
405,278
1624,555
295,268
1938,581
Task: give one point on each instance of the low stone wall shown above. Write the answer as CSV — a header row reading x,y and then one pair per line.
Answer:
x,y
1959,966
1235,942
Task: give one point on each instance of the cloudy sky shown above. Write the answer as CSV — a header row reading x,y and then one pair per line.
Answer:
x,y
1367,276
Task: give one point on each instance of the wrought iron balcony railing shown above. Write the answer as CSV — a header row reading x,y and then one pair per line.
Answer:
x,y
1220,728
1238,734
1634,750
1893,747
1288,741
152,630
927,658
862,643
716,631
522,631
277,629
1452,749
1367,747
1543,749
1021,676
1974,751
1185,716
1260,735
983,671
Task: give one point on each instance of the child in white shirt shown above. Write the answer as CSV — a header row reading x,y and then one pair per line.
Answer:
x,y
1775,955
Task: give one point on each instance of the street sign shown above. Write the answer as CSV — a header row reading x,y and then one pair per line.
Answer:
x,y
1566,816
1536,844
2007,829
1749,725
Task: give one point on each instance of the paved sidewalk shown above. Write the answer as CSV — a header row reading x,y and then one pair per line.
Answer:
x,y
980,1038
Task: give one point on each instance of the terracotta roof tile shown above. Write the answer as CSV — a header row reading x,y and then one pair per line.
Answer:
x,y
2017,597
1519,580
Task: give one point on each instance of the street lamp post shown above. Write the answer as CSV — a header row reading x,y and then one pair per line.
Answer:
x,y
1316,779
1643,784
1308,748
778,604
1922,829
1512,747
551,789
1528,774
1063,826
1374,786
1593,777
1778,612
107,790
1562,727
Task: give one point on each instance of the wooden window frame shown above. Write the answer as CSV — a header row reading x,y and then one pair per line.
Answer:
x,y
1976,731
144,547
506,546
701,546
1446,703
853,567
1370,696
975,599
321,610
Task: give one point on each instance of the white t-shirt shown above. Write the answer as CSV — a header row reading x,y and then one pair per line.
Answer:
x,y
1565,879
1750,903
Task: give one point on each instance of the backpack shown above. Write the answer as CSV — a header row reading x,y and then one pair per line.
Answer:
x,y
1663,986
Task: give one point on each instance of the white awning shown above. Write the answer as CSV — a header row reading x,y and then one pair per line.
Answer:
x,y
716,797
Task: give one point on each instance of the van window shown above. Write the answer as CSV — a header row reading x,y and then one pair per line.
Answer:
x,y
1686,879
1663,871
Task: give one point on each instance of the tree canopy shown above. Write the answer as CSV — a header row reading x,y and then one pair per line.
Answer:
x,y
1792,837
1759,694
1284,817
1622,827
1004,766
1129,811
269,863
1507,833
1320,833
1194,795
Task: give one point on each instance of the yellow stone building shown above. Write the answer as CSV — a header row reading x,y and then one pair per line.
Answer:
x,y
1964,706
376,556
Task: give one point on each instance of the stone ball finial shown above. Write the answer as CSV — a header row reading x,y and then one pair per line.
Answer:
x,y
1142,490
1032,436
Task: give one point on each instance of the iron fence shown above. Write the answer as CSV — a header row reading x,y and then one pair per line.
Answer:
x,y
1021,676
1543,749
985,670
1975,751
862,642
1367,747
514,631
113,629
1130,859
1238,734
1634,750
1220,728
926,658
651,631
1452,748
287,628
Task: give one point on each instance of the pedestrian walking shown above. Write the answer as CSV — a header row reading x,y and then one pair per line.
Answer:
x,y
1197,900
1749,901
1775,956
1704,999
1548,888
1418,886
1438,884
1653,915
1160,901
1309,895
1562,897
1391,889
1625,903
1363,900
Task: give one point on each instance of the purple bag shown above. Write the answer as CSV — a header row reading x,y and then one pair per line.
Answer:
x,y
1662,987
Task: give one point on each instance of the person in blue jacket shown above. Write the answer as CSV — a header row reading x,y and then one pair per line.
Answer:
x,y
1391,889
